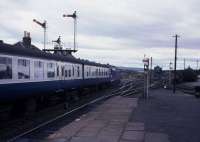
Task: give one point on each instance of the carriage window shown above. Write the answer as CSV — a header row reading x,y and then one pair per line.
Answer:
x,y
5,68
90,71
73,71
66,73
78,71
69,73
63,69
96,73
50,70
57,70
38,70
23,69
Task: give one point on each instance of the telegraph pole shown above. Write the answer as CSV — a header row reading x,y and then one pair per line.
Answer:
x,y
175,59
44,26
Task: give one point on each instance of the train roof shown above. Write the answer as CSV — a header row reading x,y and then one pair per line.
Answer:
x,y
20,50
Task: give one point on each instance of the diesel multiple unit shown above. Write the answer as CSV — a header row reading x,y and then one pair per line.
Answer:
x,y
27,71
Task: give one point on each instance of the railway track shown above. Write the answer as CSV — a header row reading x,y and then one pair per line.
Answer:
x,y
131,85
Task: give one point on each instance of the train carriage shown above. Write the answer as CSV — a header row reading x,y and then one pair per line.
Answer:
x,y
27,71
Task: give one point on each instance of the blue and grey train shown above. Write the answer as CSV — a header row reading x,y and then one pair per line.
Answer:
x,y
26,71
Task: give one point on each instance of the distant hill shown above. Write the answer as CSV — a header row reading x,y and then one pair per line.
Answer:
x,y
131,69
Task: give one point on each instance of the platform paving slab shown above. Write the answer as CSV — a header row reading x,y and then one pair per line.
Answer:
x,y
156,137
134,126
133,136
108,122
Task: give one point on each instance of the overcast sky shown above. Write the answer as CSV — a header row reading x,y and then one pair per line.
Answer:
x,y
118,32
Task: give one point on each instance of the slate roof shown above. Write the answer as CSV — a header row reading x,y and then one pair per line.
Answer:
x,y
20,50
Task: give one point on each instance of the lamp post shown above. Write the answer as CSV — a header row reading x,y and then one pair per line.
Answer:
x,y
74,16
44,26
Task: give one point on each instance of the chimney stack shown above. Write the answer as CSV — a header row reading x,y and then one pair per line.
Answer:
x,y
27,39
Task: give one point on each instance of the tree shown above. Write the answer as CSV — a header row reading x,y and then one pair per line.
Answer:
x,y
189,75
157,72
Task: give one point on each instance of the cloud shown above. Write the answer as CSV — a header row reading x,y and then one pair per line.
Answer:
x,y
114,31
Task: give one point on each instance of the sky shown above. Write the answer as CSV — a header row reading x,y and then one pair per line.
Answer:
x,y
118,32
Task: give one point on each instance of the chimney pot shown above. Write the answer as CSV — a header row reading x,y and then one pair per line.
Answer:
x,y
27,39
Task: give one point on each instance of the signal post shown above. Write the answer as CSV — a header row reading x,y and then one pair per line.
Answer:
x,y
146,77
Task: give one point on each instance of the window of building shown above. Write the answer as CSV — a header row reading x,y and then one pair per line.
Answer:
x,y
38,70
5,68
23,69
50,70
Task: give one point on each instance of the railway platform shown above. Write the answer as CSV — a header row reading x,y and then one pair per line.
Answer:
x,y
107,122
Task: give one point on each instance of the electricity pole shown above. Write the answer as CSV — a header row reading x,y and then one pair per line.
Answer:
x,y
44,26
175,59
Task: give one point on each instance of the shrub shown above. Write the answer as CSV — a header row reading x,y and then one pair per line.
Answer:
x,y
189,75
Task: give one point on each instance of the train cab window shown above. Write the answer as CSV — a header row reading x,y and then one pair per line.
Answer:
x,y
50,70
23,69
38,70
5,68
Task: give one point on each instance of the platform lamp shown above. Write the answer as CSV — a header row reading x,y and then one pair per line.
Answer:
x,y
44,26
74,16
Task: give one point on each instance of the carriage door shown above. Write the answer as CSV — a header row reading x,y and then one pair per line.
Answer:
x,y
62,75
